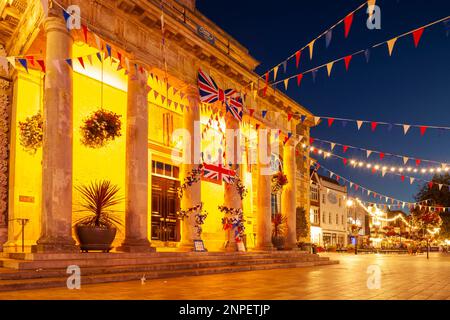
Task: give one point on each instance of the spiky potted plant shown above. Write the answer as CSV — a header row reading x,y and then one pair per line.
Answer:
x,y
278,231
97,230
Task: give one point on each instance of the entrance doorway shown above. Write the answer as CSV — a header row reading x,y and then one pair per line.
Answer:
x,y
165,205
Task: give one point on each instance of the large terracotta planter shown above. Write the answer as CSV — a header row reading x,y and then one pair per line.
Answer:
x,y
95,238
278,242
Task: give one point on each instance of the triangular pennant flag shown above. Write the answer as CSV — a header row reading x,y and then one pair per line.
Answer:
x,y
311,49
345,161
297,58
391,44
108,49
299,79
368,153
98,42
344,149
328,37
383,172
347,60
156,94
12,61
41,63
381,155
348,20
329,67
316,120
85,32
403,178
411,180
66,16
286,83
257,126
423,129
440,186
430,184
417,34
314,74
99,56
264,113
367,55
290,115
89,57
252,111
374,125
80,60
24,63
330,122
284,64
303,118
332,145
275,73
418,161
30,59
359,123
69,62
406,128
405,160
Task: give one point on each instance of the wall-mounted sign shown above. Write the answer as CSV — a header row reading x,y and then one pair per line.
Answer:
x,y
205,34
28,199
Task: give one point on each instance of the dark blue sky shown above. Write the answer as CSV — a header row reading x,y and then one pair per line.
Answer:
x,y
412,86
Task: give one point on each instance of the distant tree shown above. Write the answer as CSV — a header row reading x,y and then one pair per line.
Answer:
x,y
437,198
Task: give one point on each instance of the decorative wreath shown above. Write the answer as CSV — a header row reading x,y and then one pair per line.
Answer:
x,y
31,133
200,217
99,128
234,218
279,180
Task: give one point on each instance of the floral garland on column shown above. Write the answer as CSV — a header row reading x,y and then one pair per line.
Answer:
x,y
200,217
234,218
241,189
192,177
31,133
4,154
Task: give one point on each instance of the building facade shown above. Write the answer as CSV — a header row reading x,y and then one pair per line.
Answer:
x,y
357,222
116,61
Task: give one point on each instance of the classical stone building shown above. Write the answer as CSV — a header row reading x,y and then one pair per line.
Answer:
x,y
127,59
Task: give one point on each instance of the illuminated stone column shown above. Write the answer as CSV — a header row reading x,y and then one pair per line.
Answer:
x,y
232,199
288,199
56,220
192,196
136,165
264,214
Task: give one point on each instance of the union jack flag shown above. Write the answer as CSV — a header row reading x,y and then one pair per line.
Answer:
x,y
217,173
210,93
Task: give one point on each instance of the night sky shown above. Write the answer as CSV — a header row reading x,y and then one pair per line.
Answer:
x,y
411,87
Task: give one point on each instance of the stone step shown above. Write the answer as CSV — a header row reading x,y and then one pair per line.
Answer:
x,y
143,260
9,285
9,274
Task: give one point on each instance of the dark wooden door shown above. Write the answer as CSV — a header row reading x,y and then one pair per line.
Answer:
x,y
165,204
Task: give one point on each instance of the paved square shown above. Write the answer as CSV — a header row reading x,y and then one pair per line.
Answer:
x,y
402,277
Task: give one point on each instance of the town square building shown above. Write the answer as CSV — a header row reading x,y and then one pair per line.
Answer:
x,y
141,61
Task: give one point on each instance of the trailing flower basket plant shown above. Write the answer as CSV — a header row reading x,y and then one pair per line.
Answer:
x,y
279,180
99,128
31,133
97,230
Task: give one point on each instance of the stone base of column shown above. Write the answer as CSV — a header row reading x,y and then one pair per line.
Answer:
x,y
292,247
265,247
136,246
55,245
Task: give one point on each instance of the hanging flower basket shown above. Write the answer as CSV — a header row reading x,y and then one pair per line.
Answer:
x,y
279,180
31,133
99,128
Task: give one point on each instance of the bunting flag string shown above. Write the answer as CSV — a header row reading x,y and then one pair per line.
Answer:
x,y
368,153
375,124
355,187
347,21
416,34
384,169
